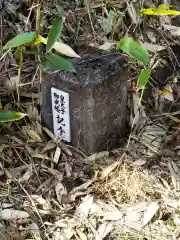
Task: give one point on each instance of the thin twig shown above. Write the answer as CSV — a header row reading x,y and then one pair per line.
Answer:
x,y
38,25
90,19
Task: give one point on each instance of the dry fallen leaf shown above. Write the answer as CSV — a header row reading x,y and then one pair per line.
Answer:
x,y
174,173
112,216
33,135
41,156
3,229
167,92
150,212
6,205
107,46
33,112
65,234
133,215
57,155
38,128
12,82
132,13
57,235
81,234
153,47
171,202
104,173
41,201
83,186
95,209
11,214
173,29
17,172
27,175
68,169
35,231
97,156
50,146
103,230
60,191
138,114
152,137
84,208
66,222
138,207
139,162
63,48
151,35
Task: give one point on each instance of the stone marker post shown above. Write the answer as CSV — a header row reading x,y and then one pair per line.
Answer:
x,y
88,108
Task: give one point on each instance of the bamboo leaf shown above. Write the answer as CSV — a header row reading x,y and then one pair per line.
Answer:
x,y
11,116
110,21
143,78
20,39
134,49
62,48
54,33
48,66
65,50
59,63
160,11
167,92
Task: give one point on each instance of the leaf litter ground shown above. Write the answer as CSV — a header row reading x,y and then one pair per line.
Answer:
x,y
49,190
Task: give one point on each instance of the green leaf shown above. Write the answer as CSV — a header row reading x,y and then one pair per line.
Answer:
x,y
47,66
143,78
11,116
54,33
20,39
134,49
59,62
110,21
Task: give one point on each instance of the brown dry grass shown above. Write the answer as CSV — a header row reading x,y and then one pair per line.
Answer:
x,y
129,185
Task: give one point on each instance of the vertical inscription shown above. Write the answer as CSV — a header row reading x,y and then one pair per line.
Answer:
x,y
61,115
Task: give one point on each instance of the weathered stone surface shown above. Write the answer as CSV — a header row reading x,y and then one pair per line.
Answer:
x,y
97,102
176,5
